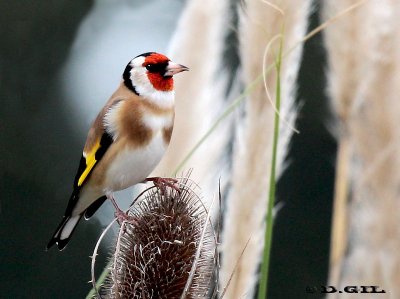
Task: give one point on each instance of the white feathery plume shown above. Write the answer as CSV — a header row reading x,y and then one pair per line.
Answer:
x,y
364,76
198,43
260,21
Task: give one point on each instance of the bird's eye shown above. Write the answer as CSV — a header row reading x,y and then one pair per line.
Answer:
x,y
150,67
156,67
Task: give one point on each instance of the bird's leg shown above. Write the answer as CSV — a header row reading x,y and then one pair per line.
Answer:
x,y
119,214
160,183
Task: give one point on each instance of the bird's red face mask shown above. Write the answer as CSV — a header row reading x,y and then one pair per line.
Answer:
x,y
160,71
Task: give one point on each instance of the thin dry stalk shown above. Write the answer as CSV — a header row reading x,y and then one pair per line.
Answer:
x,y
234,270
94,255
339,217
197,257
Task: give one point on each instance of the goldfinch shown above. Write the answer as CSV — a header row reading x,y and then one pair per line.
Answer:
x,y
126,141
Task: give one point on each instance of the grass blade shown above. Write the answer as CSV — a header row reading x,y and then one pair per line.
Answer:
x,y
263,285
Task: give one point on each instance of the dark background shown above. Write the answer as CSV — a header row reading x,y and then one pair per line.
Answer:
x,y
39,152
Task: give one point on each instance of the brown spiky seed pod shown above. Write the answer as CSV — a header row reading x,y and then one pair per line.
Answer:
x,y
155,253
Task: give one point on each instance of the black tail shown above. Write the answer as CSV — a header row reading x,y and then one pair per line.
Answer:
x,y
64,231
94,207
68,224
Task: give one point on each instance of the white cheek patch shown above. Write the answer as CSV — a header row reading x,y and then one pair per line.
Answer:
x,y
140,80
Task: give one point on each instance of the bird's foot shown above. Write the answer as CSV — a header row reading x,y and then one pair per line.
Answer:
x,y
124,217
161,183
121,215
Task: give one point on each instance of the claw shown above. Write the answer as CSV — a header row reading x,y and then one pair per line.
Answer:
x,y
124,217
119,214
161,183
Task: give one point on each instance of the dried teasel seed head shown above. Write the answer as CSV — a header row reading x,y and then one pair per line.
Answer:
x,y
154,255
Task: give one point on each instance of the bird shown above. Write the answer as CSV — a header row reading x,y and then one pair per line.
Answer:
x,y
126,141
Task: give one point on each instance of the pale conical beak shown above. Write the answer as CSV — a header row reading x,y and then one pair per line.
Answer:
x,y
174,68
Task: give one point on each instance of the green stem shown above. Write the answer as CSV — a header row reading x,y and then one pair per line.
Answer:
x,y
263,283
100,280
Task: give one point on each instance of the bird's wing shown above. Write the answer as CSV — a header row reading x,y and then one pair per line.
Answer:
x,y
99,140
97,144
90,158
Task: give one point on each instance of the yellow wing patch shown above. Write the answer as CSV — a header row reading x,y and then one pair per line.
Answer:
x,y
90,162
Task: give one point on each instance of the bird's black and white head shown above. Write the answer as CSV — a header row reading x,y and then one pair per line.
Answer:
x,y
150,75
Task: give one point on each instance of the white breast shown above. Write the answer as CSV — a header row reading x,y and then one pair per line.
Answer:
x,y
133,165
158,122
